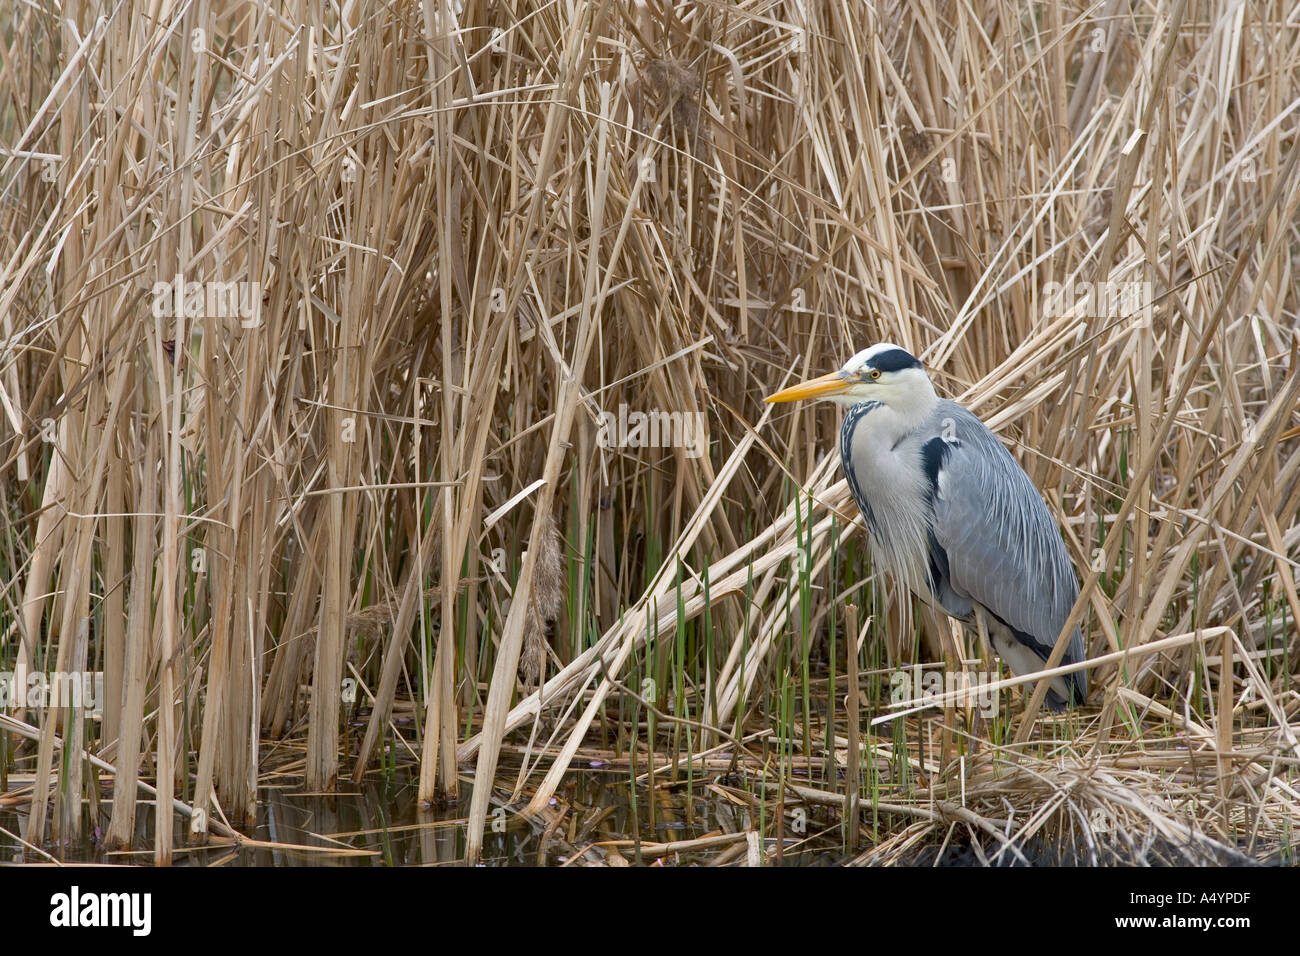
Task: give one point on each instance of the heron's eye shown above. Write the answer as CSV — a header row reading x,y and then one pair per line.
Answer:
x,y
875,374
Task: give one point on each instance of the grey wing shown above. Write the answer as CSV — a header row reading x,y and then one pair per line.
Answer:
x,y
993,541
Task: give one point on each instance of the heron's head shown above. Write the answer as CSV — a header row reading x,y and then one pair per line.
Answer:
x,y
884,373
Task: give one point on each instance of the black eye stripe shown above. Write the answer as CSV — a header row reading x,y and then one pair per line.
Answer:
x,y
894,360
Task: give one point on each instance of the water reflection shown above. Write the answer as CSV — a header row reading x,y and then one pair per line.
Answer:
x,y
596,818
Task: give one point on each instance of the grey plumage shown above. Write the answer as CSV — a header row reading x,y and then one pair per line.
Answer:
x,y
950,513
986,534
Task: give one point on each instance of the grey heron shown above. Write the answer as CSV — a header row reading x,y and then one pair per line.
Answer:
x,y
949,512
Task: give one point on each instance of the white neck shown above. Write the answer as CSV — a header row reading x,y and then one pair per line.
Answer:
x,y
907,400
887,424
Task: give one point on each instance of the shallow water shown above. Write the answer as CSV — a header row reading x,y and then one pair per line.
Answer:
x,y
593,820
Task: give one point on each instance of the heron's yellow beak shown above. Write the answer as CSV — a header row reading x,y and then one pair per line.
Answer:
x,y
831,384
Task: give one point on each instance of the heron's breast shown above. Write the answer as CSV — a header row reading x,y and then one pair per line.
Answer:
x,y
884,471
882,466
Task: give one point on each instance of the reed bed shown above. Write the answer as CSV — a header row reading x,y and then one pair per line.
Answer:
x,y
321,327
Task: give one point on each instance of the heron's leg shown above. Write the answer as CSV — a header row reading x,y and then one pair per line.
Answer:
x,y
986,656
898,618
986,646
936,640
946,646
